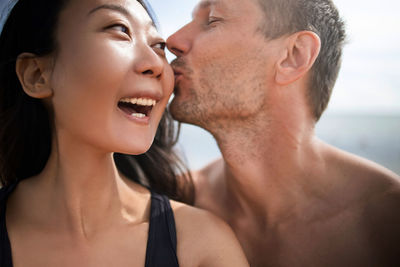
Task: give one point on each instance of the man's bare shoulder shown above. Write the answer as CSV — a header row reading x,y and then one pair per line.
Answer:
x,y
208,181
360,177
378,192
209,173
369,174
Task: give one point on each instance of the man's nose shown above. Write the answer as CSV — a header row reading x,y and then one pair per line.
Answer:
x,y
179,43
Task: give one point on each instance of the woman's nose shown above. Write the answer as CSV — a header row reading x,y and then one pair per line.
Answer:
x,y
150,63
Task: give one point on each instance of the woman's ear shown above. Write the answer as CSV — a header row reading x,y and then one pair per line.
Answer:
x,y
34,74
301,51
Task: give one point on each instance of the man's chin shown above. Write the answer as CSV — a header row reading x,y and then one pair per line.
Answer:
x,y
180,111
176,111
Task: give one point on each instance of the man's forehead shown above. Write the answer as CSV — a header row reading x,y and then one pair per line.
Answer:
x,y
206,4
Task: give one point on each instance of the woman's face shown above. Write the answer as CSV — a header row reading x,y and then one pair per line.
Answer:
x,y
111,80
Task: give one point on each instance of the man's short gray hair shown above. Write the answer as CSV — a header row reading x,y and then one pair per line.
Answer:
x,y
322,17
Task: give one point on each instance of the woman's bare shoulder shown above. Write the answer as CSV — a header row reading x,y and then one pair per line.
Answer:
x,y
204,239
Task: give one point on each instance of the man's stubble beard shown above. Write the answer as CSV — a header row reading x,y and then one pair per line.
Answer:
x,y
186,111
222,93
215,104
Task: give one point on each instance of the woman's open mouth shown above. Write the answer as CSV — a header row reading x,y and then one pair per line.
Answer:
x,y
137,107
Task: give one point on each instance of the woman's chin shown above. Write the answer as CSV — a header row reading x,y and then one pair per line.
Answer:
x,y
137,148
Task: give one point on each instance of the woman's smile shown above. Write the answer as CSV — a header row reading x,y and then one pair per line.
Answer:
x,y
137,109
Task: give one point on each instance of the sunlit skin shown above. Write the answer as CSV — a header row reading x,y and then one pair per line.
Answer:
x,y
116,56
291,199
197,98
80,211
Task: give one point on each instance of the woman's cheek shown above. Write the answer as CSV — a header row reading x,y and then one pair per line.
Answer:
x,y
170,80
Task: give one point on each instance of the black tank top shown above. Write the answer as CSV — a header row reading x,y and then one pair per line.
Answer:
x,y
161,243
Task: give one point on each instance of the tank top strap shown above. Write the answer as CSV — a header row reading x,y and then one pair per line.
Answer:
x,y
5,247
162,242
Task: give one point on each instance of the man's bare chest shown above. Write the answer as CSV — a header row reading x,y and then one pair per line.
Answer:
x,y
340,243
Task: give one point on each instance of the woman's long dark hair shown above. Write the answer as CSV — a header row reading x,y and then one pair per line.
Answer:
x,y
25,131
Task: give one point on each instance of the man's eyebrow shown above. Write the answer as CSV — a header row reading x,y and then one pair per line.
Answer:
x,y
119,9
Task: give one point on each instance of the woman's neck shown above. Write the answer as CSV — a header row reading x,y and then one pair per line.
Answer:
x,y
80,191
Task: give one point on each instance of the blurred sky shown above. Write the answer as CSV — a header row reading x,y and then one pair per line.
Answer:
x,y
369,79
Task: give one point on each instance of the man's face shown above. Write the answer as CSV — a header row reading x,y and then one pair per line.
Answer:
x,y
223,63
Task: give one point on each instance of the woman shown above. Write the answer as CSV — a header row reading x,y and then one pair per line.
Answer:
x,y
79,81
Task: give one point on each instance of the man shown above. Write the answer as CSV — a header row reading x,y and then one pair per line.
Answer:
x,y
257,74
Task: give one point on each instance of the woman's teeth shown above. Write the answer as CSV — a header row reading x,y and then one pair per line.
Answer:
x,y
139,101
137,107
138,115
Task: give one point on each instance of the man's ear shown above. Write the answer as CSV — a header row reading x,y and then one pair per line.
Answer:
x,y
301,51
34,74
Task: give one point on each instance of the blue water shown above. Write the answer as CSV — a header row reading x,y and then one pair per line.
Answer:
x,y
373,137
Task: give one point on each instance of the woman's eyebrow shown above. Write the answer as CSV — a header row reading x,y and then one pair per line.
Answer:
x,y
117,8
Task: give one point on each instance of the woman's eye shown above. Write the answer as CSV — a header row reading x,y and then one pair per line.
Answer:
x,y
120,28
160,45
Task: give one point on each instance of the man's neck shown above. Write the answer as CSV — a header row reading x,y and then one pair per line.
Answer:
x,y
269,167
